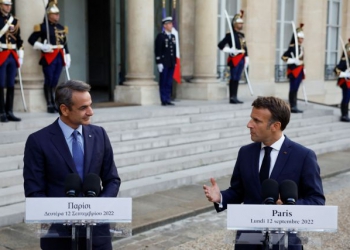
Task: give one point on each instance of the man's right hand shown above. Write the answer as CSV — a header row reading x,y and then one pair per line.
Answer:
x,y
212,192
160,67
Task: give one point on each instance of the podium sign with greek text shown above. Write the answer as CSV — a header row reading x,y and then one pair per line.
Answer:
x,y
97,209
285,217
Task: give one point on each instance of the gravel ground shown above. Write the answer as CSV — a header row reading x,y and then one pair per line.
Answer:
x,y
316,241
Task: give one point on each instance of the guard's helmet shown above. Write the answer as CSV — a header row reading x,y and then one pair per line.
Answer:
x,y
52,7
300,32
238,18
347,46
7,2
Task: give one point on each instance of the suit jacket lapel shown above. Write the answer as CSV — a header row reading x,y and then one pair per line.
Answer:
x,y
282,158
60,143
88,147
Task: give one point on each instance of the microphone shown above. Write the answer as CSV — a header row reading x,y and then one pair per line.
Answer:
x,y
91,185
72,185
289,192
270,191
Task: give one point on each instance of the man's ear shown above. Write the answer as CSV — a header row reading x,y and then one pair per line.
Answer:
x,y
64,109
276,126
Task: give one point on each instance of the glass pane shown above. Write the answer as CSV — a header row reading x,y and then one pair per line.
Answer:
x,y
333,39
279,12
329,12
333,58
288,32
289,10
278,36
231,7
335,13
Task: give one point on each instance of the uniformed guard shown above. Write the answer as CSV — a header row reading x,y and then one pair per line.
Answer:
x,y
165,50
238,57
55,54
343,72
11,58
295,70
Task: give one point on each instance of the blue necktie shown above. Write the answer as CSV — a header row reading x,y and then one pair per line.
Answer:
x,y
265,165
78,155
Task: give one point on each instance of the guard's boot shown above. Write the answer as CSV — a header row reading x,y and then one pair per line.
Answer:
x,y
233,93
3,116
10,94
344,112
48,98
293,103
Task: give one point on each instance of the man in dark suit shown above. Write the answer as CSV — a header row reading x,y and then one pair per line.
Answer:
x,y
165,51
49,157
288,161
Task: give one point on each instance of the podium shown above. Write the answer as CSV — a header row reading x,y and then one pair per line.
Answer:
x,y
277,226
76,218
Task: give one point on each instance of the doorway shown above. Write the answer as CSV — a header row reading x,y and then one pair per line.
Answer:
x,y
99,40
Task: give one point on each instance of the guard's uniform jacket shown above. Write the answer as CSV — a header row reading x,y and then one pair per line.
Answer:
x,y
341,67
10,39
240,42
295,71
58,40
165,50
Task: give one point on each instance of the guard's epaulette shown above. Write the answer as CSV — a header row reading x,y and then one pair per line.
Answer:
x,y
37,28
66,30
291,45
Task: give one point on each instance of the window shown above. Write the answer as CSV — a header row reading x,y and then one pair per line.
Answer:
x,y
286,15
333,49
232,7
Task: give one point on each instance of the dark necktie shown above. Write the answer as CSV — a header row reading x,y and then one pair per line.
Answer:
x,y
265,165
78,155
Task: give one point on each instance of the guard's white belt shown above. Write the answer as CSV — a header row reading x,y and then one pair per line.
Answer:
x,y
57,46
8,46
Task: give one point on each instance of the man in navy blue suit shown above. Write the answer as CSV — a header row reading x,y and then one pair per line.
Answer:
x,y
49,158
288,161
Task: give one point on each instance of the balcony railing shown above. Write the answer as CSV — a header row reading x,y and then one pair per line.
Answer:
x,y
329,74
281,73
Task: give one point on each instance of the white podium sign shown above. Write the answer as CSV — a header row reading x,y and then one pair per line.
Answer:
x,y
97,209
275,217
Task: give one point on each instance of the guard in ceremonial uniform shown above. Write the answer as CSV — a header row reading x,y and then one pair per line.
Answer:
x,y
165,50
295,70
238,57
11,58
343,72
55,54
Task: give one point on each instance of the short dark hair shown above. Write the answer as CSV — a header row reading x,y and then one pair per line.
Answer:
x,y
63,93
279,109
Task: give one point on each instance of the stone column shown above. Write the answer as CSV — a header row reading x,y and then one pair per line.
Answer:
x,y
260,32
205,85
186,35
314,16
140,87
30,13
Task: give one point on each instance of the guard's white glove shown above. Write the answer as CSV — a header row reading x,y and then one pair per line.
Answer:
x,y
160,67
45,47
68,60
20,54
246,62
345,74
232,51
295,61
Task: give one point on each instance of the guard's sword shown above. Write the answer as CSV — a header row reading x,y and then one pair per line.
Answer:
x,y
21,85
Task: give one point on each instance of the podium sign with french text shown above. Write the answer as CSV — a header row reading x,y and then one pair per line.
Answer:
x,y
282,217
61,210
